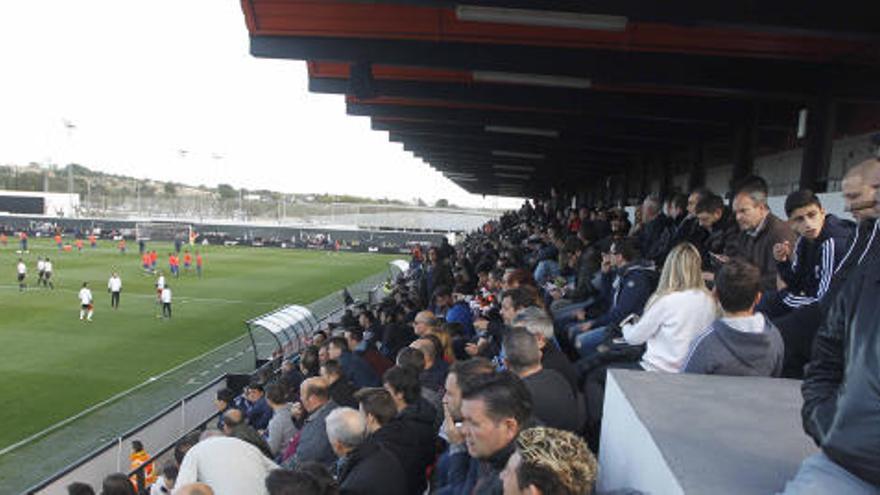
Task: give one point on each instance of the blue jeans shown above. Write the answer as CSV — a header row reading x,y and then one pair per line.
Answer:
x,y
587,342
564,316
819,475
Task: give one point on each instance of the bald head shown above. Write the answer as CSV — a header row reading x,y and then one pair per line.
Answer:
x,y
232,418
861,186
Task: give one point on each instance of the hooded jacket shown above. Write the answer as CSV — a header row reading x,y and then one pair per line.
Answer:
x,y
723,350
841,385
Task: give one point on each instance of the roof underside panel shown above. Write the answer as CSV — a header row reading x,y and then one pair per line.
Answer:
x,y
512,96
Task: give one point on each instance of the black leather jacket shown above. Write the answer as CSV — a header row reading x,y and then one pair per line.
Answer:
x,y
841,387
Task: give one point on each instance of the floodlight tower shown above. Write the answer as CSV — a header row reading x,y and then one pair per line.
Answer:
x,y
69,128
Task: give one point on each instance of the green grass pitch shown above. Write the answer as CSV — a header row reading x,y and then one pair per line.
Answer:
x,y
54,365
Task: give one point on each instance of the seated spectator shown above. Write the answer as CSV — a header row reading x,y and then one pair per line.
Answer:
x,y
367,350
451,431
841,396
653,239
676,313
356,369
540,326
799,327
687,225
415,359
341,390
77,488
741,342
807,266
259,413
117,484
309,479
195,489
384,427
424,323
365,465
453,308
760,230
549,461
280,430
418,418
309,362
165,484
225,399
234,426
372,331
494,408
627,282
435,368
554,401
229,465
311,445
718,220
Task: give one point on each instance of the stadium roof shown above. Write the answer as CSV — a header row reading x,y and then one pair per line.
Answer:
x,y
511,97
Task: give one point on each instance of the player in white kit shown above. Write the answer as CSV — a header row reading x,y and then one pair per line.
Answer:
x,y
85,300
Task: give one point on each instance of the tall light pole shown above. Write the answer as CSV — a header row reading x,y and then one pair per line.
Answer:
x,y
69,127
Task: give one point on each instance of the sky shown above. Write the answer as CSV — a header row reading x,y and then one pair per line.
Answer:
x,y
142,80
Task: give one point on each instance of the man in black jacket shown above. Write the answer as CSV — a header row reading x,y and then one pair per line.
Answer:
x,y
718,221
341,390
385,428
365,466
845,420
417,417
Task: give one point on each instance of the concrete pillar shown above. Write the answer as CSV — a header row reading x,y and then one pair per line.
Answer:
x,y
745,141
821,116
697,175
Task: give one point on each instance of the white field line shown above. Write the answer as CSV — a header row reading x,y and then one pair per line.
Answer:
x,y
105,402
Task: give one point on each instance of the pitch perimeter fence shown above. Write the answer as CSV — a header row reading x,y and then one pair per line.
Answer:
x,y
163,408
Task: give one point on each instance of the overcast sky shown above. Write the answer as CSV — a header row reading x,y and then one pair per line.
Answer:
x,y
141,80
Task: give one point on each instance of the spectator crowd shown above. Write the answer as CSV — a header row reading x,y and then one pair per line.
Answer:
x,y
482,371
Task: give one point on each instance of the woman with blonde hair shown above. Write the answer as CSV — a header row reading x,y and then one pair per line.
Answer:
x,y
675,314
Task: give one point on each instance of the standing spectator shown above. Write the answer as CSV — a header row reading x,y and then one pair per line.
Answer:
x,y
228,465
365,466
742,342
675,314
760,230
549,461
